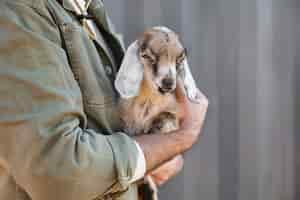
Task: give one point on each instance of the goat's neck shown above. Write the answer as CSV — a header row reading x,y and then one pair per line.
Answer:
x,y
148,93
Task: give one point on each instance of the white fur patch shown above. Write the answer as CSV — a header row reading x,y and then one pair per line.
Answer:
x,y
130,75
163,29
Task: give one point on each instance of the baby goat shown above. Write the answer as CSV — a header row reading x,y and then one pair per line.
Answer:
x,y
146,82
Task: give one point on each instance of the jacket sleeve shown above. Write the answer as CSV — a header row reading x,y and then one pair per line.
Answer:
x,y
43,142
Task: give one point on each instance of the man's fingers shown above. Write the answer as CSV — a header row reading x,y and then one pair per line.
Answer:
x,y
167,170
179,162
182,97
180,91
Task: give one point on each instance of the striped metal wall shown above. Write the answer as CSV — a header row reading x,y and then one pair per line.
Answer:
x,y
244,56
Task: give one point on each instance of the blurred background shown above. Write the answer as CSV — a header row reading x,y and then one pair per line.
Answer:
x,y
243,55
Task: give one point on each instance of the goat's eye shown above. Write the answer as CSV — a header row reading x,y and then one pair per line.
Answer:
x,y
179,63
180,60
146,56
149,58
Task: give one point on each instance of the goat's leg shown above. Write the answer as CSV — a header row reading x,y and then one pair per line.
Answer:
x,y
164,123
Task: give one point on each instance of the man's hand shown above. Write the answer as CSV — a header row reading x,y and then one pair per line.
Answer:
x,y
159,148
168,170
192,114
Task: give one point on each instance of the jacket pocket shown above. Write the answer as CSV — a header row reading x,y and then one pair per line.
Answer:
x,y
84,59
98,94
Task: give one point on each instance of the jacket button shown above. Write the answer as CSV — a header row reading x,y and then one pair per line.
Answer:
x,y
108,69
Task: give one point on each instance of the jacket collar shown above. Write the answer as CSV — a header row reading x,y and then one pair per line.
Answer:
x,y
68,5
96,10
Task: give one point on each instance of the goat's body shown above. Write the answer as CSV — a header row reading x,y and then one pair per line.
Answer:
x,y
150,112
146,82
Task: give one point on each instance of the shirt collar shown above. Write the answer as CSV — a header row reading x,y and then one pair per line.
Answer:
x,y
68,5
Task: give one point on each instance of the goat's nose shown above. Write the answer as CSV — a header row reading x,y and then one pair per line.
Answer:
x,y
167,83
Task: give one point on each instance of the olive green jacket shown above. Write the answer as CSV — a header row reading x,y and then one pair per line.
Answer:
x,y
60,133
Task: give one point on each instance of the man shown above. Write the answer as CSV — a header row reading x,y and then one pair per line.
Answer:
x,y
60,135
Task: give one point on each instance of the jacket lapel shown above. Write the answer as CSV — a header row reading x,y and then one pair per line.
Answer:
x,y
97,10
100,17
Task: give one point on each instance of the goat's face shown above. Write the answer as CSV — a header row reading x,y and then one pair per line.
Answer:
x,y
161,54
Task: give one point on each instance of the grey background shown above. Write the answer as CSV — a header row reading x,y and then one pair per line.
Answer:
x,y
244,55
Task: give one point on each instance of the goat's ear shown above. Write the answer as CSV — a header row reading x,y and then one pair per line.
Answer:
x,y
130,74
189,82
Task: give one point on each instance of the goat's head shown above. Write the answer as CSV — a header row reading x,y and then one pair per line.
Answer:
x,y
162,55
159,57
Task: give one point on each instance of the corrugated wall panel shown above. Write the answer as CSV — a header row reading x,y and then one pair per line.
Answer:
x,y
244,56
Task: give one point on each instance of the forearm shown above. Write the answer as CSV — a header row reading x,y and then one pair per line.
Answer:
x,y
159,148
